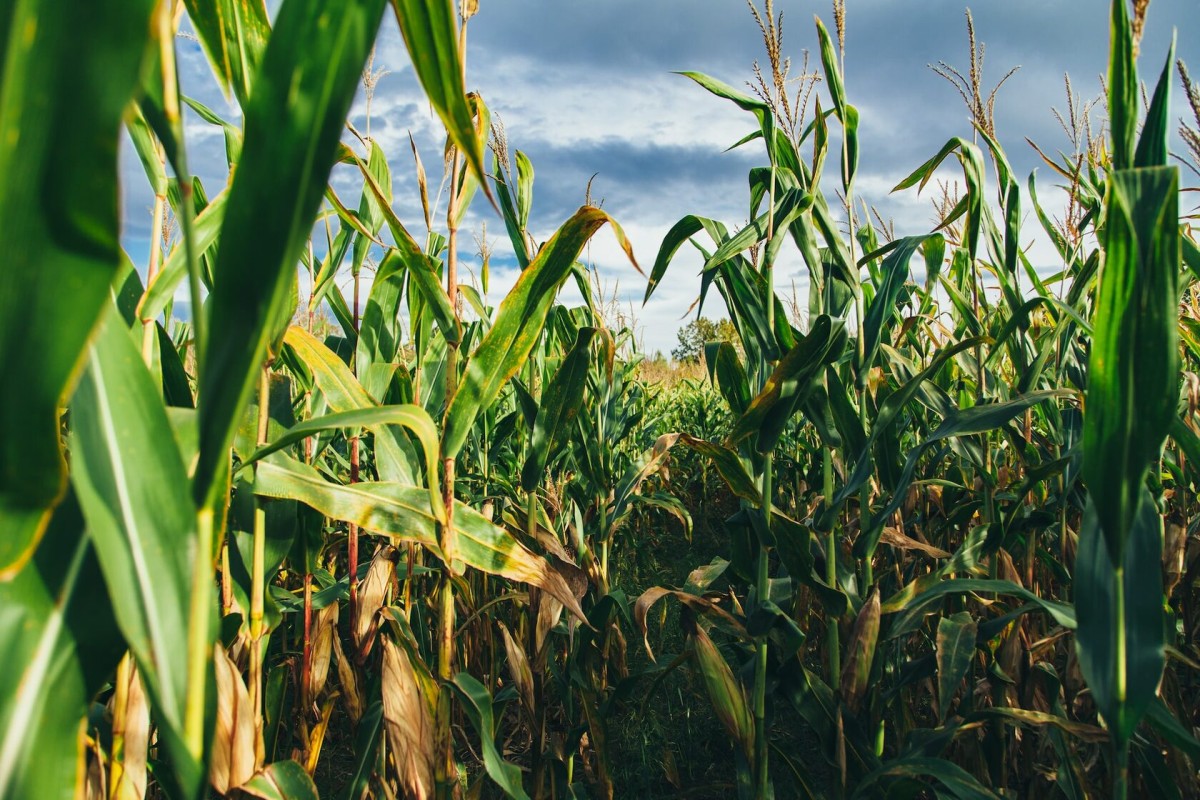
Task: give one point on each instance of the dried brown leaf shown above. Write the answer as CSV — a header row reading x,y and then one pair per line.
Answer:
x,y
409,723
237,746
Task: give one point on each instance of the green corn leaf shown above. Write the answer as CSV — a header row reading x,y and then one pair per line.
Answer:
x,y
146,146
850,162
726,371
233,135
914,607
294,119
478,705
402,513
829,64
424,273
133,490
883,307
768,413
724,692
1120,636
679,233
766,118
424,279
788,209
415,418
1165,722
1152,148
1133,373
519,321
380,331
233,34
61,645
366,746
956,781
964,422
431,35
955,648
561,404
524,189
376,193
177,391
206,229
283,780
729,466
972,204
344,393
1122,85
62,97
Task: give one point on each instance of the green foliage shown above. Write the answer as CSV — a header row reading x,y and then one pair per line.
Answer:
x,y
699,333
945,522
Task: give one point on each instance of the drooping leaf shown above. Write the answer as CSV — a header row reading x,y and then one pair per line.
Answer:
x,y
345,394
412,417
561,403
784,390
914,607
957,782
883,308
478,705
402,513
283,780
519,322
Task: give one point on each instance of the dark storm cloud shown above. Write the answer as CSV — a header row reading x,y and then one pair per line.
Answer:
x,y
586,88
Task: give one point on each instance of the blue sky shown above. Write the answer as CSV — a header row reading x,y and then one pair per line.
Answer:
x,y
588,89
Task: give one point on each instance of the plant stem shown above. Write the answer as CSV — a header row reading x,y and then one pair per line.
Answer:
x,y
1121,690
187,210
352,531
149,329
199,646
762,592
445,737
831,577
762,580
258,568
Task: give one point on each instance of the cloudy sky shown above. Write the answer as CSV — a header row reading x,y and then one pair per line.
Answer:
x,y
588,88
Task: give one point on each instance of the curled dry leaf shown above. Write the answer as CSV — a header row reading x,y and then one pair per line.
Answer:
x,y
237,749
348,678
409,722
95,780
371,594
518,668
895,538
549,612
131,734
322,651
697,603
1174,549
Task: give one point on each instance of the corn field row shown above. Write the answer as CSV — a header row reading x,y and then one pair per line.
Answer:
x,y
401,552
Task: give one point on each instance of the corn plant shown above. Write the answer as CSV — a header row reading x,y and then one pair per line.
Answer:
x,y
954,472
